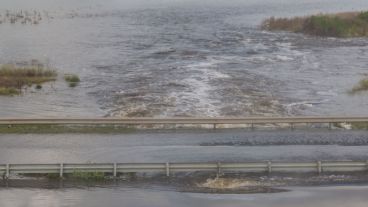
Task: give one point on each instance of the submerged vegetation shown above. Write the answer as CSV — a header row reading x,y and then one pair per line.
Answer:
x,y
14,78
361,86
350,24
22,16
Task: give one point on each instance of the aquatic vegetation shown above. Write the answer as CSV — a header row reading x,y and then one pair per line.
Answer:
x,y
24,17
14,78
361,86
350,24
72,80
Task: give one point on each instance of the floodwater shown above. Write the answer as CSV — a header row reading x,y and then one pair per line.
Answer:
x,y
340,196
182,58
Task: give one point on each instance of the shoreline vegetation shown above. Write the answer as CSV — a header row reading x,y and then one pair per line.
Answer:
x,y
360,87
342,25
15,78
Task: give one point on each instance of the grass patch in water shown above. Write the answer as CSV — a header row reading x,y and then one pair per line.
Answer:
x,y
72,80
361,86
14,78
60,129
349,24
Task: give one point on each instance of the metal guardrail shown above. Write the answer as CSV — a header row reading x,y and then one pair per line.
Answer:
x,y
168,168
187,120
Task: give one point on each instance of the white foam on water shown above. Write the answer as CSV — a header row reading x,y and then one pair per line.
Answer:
x,y
284,58
292,106
198,98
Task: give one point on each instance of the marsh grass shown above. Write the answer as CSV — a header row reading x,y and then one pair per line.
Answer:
x,y
14,78
349,24
72,80
8,91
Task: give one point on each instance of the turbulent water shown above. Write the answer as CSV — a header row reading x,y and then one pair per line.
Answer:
x,y
182,58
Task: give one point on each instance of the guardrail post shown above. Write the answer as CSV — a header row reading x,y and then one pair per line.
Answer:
x,y
7,171
329,126
218,169
167,169
269,166
61,172
319,167
115,170
252,126
214,126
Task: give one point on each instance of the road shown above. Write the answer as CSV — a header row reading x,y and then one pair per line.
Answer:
x,y
185,145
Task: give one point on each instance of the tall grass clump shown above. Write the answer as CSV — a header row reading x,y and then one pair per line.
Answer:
x,y
350,24
72,80
361,86
14,78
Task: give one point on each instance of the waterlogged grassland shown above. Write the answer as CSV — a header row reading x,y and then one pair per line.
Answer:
x,y
13,79
350,24
60,129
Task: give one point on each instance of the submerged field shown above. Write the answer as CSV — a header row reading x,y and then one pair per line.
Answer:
x,y
350,24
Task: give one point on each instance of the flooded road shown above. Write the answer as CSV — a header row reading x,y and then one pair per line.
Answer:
x,y
185,146
182,146
182,58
